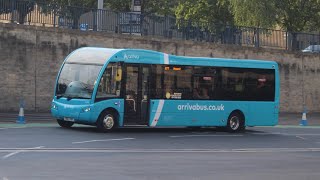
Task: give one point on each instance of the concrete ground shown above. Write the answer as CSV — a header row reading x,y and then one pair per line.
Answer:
x,y
313,119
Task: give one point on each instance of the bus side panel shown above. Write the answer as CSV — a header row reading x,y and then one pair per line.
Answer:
x,y
262,114
192,113
117,104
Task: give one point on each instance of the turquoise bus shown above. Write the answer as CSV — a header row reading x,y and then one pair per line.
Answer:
x,y
112,88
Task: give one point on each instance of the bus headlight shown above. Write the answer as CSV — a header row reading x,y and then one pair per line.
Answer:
x,y
54,106
86,109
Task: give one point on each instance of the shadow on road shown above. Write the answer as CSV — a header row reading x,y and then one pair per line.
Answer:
x,y
92,129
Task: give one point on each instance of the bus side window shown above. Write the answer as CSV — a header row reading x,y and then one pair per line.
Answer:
x,y
110,83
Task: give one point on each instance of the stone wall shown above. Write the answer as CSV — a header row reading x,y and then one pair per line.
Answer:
x,y
31,57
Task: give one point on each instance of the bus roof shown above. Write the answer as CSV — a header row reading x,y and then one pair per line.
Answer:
x,y
92,55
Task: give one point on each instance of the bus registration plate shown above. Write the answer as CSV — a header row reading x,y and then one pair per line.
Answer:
x,y
68,119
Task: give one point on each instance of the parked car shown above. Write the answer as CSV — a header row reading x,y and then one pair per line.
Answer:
x,y
312,49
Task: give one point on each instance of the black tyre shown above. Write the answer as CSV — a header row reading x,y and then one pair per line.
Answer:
x,y
65,124
107,122
235,122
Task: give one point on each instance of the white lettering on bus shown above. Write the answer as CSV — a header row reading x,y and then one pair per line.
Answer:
x,y
131,56
197,107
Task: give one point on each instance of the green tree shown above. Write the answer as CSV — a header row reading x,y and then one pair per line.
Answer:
x,y
119,5
257,13
160,7
298,15
71,9
290,15
205,11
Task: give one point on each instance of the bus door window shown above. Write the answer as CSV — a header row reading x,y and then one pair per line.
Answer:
x,y
145,82
145,77
132,88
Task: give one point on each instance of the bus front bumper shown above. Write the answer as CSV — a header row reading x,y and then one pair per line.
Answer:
x,y
73,113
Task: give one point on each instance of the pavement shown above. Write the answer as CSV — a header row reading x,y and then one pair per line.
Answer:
x,y
313,119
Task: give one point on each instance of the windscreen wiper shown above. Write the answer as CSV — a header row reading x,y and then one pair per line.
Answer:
x,y
59,96
77,97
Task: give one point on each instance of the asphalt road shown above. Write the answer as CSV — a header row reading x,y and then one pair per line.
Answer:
x,y
45,151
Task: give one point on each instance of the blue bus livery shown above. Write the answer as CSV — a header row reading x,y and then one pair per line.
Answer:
x,y
112,88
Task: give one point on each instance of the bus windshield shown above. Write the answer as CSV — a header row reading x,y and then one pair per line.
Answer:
x,y
77,81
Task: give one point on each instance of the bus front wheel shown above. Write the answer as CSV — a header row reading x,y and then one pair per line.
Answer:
x,y
235,122
107,121
65,124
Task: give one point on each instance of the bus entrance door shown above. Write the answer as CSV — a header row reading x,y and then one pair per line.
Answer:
x,y
136,94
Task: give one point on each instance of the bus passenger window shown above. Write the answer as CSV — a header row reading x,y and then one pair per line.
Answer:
x,y
200,93
110,83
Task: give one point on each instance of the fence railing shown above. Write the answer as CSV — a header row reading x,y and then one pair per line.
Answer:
x,y
88,19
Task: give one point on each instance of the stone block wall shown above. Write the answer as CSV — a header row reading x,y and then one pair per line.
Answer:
x,y
31,57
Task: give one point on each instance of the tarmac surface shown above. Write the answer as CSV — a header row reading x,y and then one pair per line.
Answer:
x,y
40,149
46,151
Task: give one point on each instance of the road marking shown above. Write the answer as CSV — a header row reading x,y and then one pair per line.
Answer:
x,y
265,133
284,134
102,140
303,134
200,132
14,127
18,127
301,137
19,151
29,125
110,150
294,126
206,135
5,178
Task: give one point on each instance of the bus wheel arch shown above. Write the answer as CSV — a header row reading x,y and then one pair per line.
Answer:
x,y
108,120
236,121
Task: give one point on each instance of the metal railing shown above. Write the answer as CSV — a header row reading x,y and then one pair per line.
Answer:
x,y
88,19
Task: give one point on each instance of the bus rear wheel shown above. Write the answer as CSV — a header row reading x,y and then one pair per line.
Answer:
x,y
235,122
65,124
107,122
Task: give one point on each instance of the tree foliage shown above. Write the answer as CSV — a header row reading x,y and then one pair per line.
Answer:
x,y
298,15
118,5
290,15
258,13
160,7
206,11
71,9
